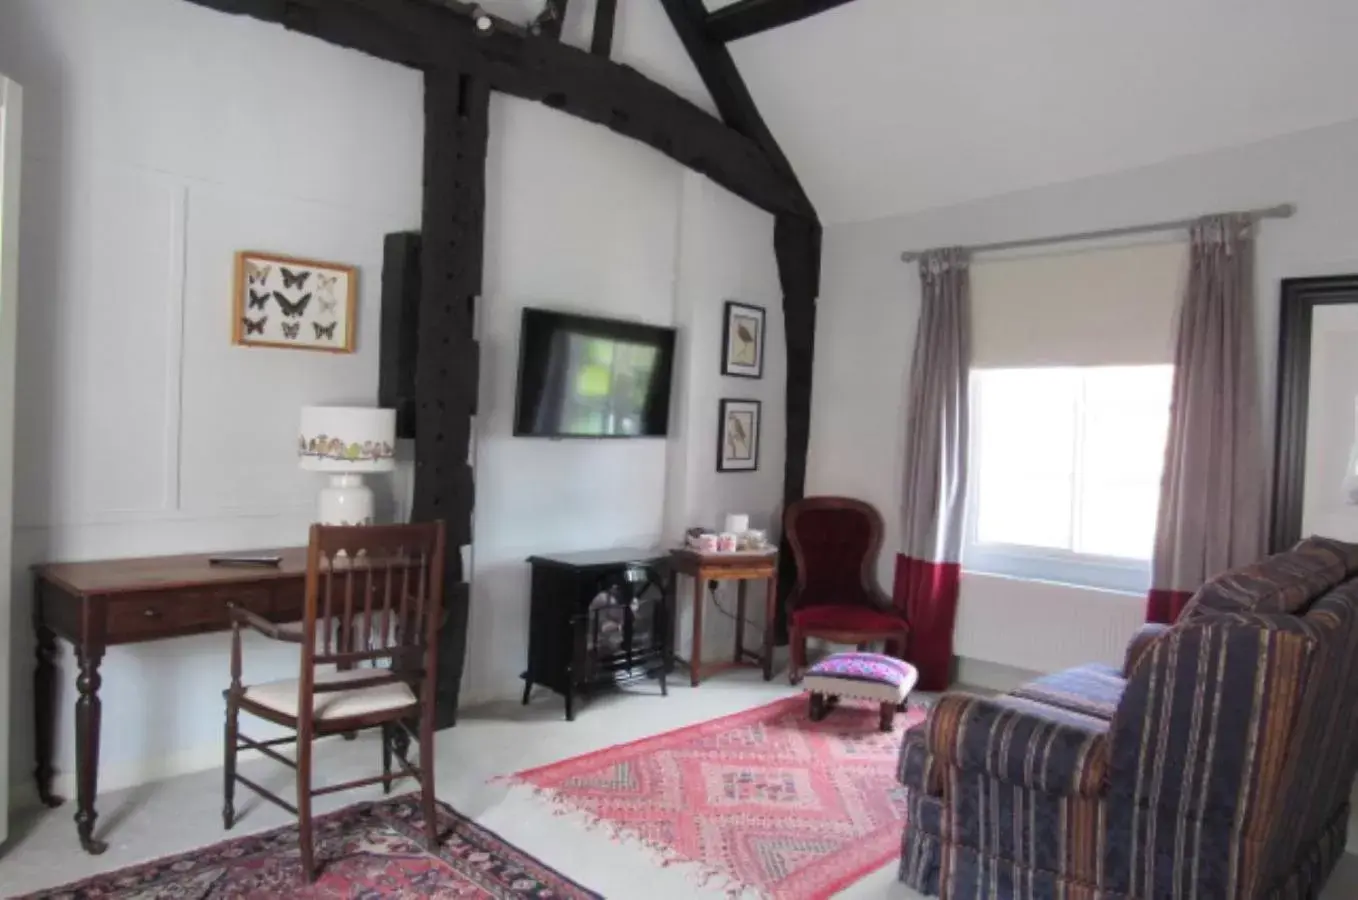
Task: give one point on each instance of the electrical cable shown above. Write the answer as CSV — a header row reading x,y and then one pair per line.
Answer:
x,y
712,589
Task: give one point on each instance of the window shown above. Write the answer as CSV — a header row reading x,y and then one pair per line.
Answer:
x,y
1065,472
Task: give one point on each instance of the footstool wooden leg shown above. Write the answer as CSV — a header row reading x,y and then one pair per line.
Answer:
x,y
888,715
818,706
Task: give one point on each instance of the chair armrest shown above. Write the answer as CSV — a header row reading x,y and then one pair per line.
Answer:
x,y
240,616
1021,742
1139,644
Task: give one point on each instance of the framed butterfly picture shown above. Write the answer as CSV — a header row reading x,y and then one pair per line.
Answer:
x,y
296,304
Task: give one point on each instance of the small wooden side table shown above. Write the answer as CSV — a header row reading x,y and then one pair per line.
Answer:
x,y
741,568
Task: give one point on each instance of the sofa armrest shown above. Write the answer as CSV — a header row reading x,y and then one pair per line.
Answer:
x,y
1139,644
1021,742
917,768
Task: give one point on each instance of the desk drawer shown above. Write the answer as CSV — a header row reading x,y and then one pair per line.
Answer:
x,y
152,614
288,604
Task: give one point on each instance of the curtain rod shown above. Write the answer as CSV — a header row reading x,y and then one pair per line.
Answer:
x,y
1282,211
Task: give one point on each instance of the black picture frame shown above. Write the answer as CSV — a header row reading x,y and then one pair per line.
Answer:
x,y
734,369
1299,299
757,407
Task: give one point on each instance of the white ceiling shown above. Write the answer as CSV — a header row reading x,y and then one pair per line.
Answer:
x,y
892,106
887,107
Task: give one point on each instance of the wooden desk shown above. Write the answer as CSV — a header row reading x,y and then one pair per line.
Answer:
x,y
97,605
739,567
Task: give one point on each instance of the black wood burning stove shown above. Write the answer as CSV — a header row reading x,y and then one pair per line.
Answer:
x,y
597,619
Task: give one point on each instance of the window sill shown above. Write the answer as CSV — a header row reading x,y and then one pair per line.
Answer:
x,y
1113,593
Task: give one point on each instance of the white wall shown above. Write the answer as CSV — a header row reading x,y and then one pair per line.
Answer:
x,y
141,430
556,237
671,254
870,302
11,132
163,137
724,254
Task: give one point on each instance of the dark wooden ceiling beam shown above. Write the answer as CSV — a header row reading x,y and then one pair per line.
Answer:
x,y
797,246
605,20
747,17
718,71
551,19
445,35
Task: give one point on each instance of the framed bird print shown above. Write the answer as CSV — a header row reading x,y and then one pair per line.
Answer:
x,y
297,304
738,436
742,352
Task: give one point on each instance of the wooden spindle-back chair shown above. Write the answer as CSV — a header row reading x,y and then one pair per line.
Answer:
x,y
373,605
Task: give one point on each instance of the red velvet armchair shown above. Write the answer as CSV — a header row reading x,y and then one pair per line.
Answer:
x,y
835,541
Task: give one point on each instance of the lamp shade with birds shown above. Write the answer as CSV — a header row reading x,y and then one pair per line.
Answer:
x,y
347,442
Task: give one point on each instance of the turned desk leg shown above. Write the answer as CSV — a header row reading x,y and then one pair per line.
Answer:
x,y
770,612
740,621
672,622
87,713
44,713
696,653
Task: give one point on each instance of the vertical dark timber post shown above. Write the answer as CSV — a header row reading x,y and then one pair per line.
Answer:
x,y
797,244
456,115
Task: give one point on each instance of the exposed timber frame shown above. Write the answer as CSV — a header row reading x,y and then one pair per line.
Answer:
x,y
435,35
748,17
605,20
796,244
551,19
466,53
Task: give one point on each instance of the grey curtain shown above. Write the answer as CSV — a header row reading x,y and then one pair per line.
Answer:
x,y
928,568
1212,502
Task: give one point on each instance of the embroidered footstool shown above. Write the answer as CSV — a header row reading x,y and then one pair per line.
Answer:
x,y
864,676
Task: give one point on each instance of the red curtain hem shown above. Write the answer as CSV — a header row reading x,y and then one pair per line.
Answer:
x,y
1163,606
927,593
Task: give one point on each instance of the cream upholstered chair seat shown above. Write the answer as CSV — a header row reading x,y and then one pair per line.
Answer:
x,y
282,696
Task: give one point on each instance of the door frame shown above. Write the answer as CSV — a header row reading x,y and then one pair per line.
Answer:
x,y
11,129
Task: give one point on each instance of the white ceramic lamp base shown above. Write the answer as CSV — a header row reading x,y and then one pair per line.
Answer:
x,y
345,501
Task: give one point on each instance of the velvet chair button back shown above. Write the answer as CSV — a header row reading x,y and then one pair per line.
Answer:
x,y
835,542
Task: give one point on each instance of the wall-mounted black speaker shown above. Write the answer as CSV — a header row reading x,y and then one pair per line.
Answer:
x,y
400,328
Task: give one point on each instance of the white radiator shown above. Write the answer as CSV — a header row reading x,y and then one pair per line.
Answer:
x,y
1042,626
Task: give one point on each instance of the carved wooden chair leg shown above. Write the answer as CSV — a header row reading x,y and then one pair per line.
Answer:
x,y
229,782
387,728
431,813
797,646
818,706
304,834
400,740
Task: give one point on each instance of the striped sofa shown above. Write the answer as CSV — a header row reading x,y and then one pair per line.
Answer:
x,y
1216,764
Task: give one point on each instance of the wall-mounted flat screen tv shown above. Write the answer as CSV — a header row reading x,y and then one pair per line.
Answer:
x,y
583,377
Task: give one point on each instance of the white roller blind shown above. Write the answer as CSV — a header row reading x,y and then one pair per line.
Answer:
x,y
1100,307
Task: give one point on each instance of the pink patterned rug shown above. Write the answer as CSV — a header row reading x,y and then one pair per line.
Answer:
x,y
764,800
368,850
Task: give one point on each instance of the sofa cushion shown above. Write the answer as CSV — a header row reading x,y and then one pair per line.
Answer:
x,y
1022,742
1283,583
1090,690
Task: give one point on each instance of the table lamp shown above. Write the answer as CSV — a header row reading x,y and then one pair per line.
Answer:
x,y
347,442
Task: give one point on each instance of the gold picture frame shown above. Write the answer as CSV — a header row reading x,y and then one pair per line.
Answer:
x,y
292,303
